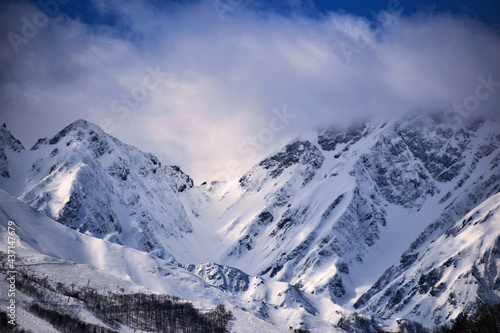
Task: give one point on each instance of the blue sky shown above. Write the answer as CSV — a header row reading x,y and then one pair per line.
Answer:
x,y
200,86
487,11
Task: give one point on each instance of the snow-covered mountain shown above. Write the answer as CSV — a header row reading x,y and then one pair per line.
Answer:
x,y
330,212
453,273
90,181
362,218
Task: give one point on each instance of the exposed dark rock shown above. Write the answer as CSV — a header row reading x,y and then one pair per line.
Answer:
x,y
329,139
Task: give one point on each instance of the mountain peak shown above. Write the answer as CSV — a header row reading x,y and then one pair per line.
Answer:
x,y
78,125
81,123
7,143
81,129
8,140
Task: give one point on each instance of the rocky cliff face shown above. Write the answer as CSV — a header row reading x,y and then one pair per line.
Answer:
x,y
10,149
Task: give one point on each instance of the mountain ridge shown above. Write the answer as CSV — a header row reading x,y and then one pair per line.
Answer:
x,y
327,214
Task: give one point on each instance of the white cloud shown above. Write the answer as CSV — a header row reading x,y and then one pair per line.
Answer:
x,y
224,78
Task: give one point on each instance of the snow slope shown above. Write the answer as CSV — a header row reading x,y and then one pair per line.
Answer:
x,y
77,256
455,272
